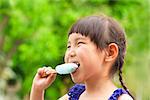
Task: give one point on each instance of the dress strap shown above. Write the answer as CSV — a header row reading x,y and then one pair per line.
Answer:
x,y
117,93
76,91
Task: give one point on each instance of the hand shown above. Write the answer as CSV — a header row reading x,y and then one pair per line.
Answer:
x,y
44,78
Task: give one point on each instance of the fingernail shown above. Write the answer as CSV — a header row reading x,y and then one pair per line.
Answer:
x,y
48,72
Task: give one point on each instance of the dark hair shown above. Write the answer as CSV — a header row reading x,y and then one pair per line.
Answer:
x,y
103,30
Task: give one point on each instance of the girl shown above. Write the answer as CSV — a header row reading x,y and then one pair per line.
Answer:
x,y
98,45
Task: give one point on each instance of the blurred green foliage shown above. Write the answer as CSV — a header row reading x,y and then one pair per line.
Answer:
x,y
34,34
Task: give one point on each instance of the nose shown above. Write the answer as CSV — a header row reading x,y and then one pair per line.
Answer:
x,y
72,53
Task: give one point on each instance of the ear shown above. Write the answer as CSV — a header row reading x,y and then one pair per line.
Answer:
x,y
111,52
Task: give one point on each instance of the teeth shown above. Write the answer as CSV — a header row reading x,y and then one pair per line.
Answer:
x,y
77,63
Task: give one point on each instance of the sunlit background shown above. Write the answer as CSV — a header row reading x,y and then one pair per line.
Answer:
x,y
33,33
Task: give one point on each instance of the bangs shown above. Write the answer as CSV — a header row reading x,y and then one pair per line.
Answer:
x,y
93,27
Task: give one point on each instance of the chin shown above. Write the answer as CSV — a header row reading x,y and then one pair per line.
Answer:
x,y
76,80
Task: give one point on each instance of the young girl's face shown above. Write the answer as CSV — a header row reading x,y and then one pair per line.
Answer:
x,y
87,55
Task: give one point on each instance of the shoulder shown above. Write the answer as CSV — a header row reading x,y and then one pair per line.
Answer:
x,y
65,97
125,97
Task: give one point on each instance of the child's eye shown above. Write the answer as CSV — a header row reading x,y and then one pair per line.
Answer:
x,y
68,46
79,43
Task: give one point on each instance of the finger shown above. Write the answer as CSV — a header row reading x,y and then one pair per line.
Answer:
x,y
46,71
41,71
50,71
51,78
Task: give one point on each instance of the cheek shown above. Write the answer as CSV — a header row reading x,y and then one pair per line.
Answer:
x,y
86,55
91,60
86,60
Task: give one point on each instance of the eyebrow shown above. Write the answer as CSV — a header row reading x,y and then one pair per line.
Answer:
x,y
78,38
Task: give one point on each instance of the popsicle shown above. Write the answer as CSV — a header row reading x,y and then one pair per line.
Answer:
x,y
66,68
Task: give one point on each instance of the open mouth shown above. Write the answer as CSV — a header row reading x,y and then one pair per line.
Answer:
x,y
77,63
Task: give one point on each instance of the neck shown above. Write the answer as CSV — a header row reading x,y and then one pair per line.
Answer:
x,y
99,85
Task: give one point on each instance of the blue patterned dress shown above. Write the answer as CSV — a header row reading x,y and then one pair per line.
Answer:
x,y
75,92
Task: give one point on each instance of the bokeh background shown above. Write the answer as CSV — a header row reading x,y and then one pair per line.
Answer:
x,y
33,33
